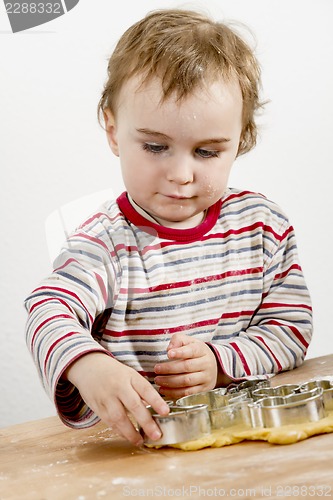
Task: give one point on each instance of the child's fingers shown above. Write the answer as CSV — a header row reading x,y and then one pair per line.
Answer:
x,y
119,419
175,393
178,340
150,396
136,401
143,418
180,380
188,351
178,366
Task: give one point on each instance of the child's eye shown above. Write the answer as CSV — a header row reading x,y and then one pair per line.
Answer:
x,y
207,153
154,148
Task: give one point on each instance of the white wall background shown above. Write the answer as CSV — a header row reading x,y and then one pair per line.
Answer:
x,y
53,151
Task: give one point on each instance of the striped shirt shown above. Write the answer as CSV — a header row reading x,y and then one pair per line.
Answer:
x,y
124,285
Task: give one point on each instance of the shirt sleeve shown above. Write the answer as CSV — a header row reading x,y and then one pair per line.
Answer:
x,y
63,313
280,330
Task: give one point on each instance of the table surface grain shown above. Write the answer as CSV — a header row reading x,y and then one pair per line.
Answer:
x,y
44,460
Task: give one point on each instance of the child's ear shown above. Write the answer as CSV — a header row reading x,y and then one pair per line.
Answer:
x,y
111,130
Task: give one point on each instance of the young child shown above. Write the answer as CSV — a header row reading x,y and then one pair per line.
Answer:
x,y
181,282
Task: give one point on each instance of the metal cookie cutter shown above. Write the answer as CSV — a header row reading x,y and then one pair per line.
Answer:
x,y
185,423
224,409
280,390
249,386
326,385
275,411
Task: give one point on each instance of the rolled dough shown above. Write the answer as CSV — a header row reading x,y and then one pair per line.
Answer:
x,y
286,434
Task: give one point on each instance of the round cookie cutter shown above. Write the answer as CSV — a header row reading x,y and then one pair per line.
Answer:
x,y
185,423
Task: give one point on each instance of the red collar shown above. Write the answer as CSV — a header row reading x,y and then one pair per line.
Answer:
x,y
169,233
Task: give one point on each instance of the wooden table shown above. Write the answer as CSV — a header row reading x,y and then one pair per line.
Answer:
x,y
45,460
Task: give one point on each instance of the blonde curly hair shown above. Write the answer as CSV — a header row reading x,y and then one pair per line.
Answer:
x,y
185,49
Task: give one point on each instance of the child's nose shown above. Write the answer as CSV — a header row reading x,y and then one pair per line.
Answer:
x,y
180,172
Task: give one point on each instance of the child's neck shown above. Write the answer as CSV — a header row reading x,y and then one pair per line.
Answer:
x,y
186,224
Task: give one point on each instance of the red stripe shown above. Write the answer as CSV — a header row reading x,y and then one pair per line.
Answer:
x,y
246,229
86,236
271,352
65,264
289,230
240,231
92,218
206,279
285,273
45,322
57,299
97,216
66,292
49,352
160,331
101,286
128,248
238,195
295,331
278,305
236,314
242,358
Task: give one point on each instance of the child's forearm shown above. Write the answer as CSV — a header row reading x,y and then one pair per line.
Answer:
x,y
81,365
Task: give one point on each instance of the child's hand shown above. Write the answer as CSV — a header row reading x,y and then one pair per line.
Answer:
x,y
192,368
110,388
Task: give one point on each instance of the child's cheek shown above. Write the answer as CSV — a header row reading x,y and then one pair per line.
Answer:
x,y
210,190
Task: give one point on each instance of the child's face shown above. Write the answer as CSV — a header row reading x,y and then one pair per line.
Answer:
x,y
176,157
